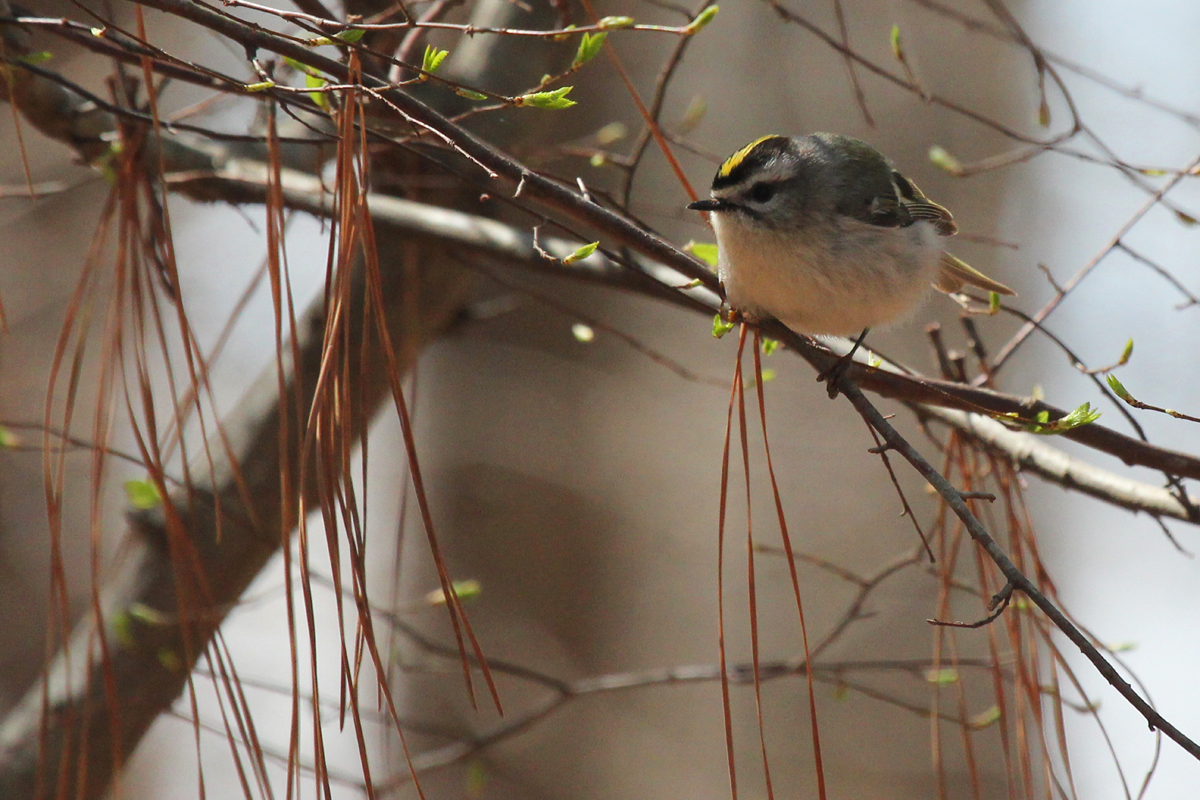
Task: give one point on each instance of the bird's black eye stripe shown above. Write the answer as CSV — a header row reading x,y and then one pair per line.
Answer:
x,y
761,192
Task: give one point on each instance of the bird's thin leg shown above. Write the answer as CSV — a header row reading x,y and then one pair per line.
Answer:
x,y
857,342
831,375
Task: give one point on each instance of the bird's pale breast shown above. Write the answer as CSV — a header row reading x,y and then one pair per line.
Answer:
x,y
833,281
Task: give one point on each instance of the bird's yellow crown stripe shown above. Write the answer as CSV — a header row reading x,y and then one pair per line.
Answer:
x,y
732,162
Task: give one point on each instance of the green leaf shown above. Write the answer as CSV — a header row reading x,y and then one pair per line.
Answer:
x,y
768,375
108,160
553,100
941,157
1118,388
122,627
704,251
8,439
589,48
702,19
313,79
993,302
612,23
693,114
581,253
985,718
1126,354
296,65
769,345
142,495
942,677
476,781
470,94
465,590
598,160
169,659
1152,173
582,333
1044,113
611,133
433,59
350,35
720,327
40,57
261,86
316,82
148,615
897,47
1077,418
566,34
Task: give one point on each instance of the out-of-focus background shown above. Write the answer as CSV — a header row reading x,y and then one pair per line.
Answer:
x,y
577,481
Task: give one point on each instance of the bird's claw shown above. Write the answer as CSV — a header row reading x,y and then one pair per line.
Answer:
x,y
834,373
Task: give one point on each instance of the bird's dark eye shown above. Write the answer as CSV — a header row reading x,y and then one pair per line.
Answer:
x,y
762,192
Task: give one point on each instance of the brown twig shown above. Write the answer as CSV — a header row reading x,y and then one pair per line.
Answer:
x,y
860,96
881,449
1133,401
1141,259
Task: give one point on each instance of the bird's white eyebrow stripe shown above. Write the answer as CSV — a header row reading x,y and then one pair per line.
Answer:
x,y
772,173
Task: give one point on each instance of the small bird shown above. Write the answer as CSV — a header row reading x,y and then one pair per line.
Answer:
x,y
823,234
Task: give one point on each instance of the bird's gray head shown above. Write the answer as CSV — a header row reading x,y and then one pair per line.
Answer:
x,y
781,182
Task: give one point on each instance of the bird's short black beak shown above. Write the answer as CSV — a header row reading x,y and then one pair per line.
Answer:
x,y
711,204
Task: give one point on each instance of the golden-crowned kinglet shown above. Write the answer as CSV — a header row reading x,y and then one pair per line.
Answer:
x,y
821,233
